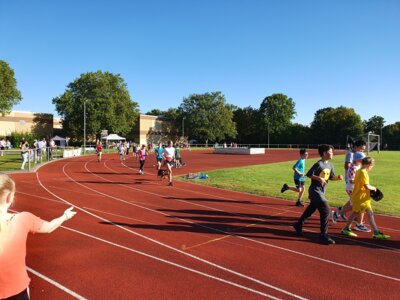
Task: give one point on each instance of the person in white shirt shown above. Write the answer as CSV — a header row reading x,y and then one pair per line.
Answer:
x,y
169,156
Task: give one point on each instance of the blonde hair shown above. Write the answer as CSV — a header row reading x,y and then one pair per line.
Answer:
x,y
6,185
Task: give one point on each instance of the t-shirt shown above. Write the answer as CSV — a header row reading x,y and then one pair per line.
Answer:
x,y
99,148
159,152
13,234
169,153
360,192
142,154
177,152
316,191
300,166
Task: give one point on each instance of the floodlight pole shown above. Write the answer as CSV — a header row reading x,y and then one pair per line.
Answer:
x,y
84,126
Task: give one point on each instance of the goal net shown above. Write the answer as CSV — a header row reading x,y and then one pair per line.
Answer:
x,y
372,140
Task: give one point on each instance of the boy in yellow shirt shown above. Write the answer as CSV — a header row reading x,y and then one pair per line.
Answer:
x,y
361,200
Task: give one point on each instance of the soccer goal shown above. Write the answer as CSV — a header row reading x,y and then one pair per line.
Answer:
x,y
372,140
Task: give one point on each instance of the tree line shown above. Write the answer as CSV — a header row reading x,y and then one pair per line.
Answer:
x,y
101,101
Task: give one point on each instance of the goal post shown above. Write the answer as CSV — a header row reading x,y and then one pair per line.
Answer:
x,y
372,141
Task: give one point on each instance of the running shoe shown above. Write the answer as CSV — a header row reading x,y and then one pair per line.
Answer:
x,y
348,232
381,236
362,227
298,228
170,183
326,239
343,217
299,203
334,216
284,188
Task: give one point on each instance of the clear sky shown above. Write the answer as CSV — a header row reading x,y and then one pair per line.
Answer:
x,y
319,53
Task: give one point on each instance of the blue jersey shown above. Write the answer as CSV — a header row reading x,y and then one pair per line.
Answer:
x,y
159,152
300,166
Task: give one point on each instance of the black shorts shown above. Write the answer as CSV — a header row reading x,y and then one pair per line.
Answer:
x,y
299,183
159,159
21,296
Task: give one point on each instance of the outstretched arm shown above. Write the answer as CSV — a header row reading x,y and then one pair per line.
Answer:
x,y
48,227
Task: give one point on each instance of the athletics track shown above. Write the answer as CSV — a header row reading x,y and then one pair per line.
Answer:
x,y
136,238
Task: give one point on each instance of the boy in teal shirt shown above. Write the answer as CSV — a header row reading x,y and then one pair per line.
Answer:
x,y
299,177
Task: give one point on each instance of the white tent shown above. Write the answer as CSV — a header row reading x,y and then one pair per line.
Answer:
x,y
113,137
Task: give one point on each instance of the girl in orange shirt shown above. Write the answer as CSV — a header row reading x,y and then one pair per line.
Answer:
x,y
14,229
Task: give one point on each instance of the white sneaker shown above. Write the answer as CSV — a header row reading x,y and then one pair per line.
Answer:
x,y
362,227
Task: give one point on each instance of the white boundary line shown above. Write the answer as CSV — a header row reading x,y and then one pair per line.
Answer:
x,y
232,234
168,246
61,287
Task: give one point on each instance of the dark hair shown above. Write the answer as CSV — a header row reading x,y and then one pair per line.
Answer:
x,y
303,151
359,143
324,148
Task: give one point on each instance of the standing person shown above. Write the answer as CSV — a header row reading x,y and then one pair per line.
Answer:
x,y
169,154
159,155
361,199
135,151
320,173
24,153
52,146
142,158
299,177
99,151
2,146
14,229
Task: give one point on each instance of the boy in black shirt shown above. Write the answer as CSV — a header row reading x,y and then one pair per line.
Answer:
x,y
320,173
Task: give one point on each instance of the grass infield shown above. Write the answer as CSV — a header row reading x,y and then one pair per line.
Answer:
x,y
268,179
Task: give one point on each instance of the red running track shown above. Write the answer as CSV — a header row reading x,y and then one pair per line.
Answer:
x,y
136,238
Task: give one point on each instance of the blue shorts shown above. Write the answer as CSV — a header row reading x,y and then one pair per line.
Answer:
x,y
299,183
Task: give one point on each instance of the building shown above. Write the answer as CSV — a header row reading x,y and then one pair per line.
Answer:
x,y
149,130
29,122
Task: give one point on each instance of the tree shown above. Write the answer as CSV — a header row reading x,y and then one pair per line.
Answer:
x,y
278,111
9,94
392,136
155,112
106,99
332,125
374,124
171,129
248,121
208,117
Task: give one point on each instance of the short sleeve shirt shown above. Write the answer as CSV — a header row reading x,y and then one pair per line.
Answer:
x,y
159,152
13,275
324,170
300,165
360,192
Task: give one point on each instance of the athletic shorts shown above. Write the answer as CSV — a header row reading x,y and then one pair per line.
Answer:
x,y
299,183
159,159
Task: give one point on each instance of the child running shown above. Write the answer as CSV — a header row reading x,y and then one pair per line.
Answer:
x,y
320,173
14,230
350,176
299,177
361,200
142,158
159,155
99,150
169,153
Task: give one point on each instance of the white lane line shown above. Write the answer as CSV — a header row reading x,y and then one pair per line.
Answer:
x,y
354,241
267,244
55,283
160,243
170,263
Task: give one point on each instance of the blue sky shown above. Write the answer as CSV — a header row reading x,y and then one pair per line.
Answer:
x,y
319,53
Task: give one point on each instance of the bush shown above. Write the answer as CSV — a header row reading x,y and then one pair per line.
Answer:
x,y
17,137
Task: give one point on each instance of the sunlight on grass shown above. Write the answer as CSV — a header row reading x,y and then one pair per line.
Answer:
x,y
267,180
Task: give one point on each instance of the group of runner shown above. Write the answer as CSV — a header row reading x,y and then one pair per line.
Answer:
x,y
358,188
170,155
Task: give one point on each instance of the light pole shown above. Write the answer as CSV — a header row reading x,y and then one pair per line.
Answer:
x,y
84,126
183,128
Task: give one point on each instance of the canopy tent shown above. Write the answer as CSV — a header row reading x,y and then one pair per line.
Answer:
x,y
60,141
113,137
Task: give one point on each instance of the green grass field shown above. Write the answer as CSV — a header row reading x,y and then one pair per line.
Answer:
x,y
268,179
